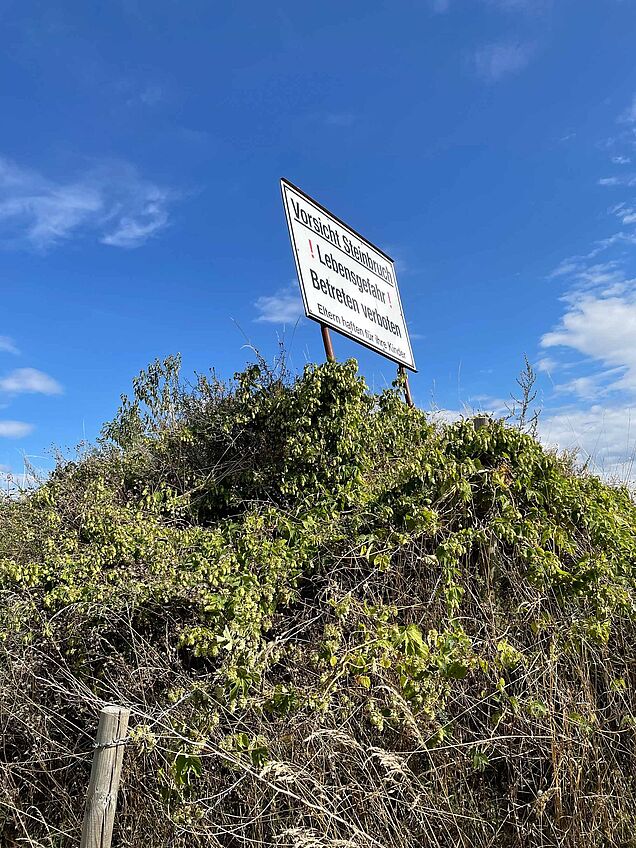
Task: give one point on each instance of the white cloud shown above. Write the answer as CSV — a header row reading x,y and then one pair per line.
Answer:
x,y
604,329
110,202
606,278
546,364
628,180
626,214
283,307
566,266
603,436
7,345
30,381
150,217
595,343
15,429
151,95
493,407
593,346
495,61
448,416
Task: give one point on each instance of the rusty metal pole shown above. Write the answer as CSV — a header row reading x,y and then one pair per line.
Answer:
x,y
326,340
407,389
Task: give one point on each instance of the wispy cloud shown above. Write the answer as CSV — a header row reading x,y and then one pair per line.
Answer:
x,y
624,212
150,216
628,180
546,364
111,203
606,278
7,345
439,7
30,381
629,115
15,429
493,62
283,307
150,95
495,406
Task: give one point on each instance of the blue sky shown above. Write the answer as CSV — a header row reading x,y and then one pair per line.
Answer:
x,y
488,145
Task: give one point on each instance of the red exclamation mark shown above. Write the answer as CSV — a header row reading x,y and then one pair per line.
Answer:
x,y
390,304
311,248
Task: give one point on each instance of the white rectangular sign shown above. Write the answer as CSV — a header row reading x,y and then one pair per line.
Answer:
x,y
346,282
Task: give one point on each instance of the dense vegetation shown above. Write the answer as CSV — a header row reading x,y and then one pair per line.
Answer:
x,y
336,624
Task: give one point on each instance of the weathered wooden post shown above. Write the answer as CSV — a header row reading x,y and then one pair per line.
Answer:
x,y
407,389
480,421
101,799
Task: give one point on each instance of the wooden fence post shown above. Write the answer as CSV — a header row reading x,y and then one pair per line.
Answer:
x,y
480,421
101,799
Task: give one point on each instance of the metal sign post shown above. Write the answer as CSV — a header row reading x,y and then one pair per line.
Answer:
x,y
347,283
326,340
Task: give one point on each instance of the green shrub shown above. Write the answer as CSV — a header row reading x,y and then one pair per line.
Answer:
x,y
332,620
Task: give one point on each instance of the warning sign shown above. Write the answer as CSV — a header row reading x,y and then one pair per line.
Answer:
x,y
346,282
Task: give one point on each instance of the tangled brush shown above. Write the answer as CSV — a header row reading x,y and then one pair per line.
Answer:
x,y
335,623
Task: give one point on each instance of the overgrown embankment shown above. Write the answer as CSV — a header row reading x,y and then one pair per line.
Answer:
x,y
336,624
